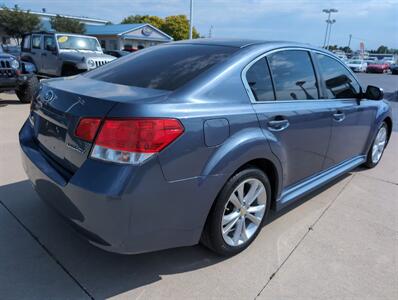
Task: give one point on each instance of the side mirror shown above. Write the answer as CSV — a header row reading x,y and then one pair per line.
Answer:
x,y
374,93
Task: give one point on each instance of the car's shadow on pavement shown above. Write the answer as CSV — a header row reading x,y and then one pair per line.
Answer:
x,y
4,102
101,273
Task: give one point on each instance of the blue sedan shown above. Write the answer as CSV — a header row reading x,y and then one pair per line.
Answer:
x,y
196,141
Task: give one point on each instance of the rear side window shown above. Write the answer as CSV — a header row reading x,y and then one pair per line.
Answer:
x,y
338,80
36,41
293,75
260,82
166,67
26,43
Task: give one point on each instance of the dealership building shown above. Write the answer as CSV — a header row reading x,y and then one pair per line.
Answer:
x,y
121,36
111,37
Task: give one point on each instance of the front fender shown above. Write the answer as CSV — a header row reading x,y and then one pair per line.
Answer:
x,y
384,111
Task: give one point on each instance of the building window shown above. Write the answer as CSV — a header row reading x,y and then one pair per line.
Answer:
x,y
113,45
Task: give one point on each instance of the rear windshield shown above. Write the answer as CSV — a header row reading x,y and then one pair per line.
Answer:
x,y
165,67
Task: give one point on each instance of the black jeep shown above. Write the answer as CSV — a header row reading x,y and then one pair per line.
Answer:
x,y
17,76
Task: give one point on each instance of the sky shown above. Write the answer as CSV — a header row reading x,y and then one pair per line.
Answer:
x,y
374,22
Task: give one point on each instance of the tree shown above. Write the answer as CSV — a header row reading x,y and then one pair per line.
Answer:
x,y
16,22
175,26
346,49
178,27
62,24
382,49
332,47
153,20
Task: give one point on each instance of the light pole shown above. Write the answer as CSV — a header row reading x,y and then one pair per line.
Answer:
x,y
329,12
211,31
331,22
191,20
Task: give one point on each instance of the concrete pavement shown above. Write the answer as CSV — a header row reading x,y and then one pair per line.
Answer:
x,y
338,243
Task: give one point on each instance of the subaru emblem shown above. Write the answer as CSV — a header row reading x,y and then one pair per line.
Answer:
x,y
49,96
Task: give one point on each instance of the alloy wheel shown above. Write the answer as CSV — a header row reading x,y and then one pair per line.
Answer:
x,y
379,144
244,212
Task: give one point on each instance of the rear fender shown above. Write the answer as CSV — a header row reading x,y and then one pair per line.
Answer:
x,y
244,146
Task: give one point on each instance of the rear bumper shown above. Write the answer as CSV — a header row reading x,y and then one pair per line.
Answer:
x,y
375,70
118,208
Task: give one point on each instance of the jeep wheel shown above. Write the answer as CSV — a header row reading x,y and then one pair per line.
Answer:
x,y
27,91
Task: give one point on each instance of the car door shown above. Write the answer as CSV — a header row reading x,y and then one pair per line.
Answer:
x,y
36,51
352,119
49,56
284,91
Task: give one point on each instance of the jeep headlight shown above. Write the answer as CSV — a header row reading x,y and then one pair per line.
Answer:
x,y
90,63
14,64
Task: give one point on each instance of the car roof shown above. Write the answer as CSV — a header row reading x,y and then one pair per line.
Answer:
x,y
241,43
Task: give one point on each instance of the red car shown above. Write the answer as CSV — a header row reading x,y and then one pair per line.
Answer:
x,y
377,67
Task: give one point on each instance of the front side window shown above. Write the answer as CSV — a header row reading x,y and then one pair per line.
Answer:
x,y
259,81
293,75
36,41
338,81
165,67
49,42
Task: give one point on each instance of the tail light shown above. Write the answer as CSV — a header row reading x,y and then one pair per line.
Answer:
x,y
132,141
87,128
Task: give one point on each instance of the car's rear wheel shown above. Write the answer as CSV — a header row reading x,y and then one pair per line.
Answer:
x,y
377,149
238,213
27,91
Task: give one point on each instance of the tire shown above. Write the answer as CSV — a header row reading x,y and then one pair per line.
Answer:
x,y
27,91
223,209
69,70
371,160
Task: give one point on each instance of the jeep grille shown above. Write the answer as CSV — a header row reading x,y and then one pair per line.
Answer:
x,y
99,63
5,69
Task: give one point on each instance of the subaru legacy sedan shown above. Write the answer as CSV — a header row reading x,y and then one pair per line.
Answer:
x,y
196,141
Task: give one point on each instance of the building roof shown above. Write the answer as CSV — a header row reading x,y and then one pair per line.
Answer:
x,y
112,29
129,31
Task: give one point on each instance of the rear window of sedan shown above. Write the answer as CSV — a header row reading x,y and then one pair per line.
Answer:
x,y
165,67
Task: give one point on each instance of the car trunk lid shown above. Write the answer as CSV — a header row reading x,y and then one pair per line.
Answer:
x,y
61,103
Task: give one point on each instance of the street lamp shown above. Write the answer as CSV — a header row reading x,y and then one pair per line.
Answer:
x,y
191,20
328,23
331,22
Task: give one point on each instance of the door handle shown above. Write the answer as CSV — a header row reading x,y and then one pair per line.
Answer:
x,y
278,125
339,116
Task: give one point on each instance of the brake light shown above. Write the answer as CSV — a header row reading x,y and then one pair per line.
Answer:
x,y
87,128
134,140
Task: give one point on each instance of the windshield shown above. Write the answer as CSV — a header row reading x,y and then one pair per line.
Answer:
x,y
78,42
355,62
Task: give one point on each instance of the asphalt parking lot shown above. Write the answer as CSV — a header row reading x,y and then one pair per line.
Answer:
x,y
338,243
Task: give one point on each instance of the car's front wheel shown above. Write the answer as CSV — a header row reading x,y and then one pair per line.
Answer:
x,y
377,149
238,213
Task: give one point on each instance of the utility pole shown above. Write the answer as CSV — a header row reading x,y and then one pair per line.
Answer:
x,y
191,20
328,23
331,22
349,40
